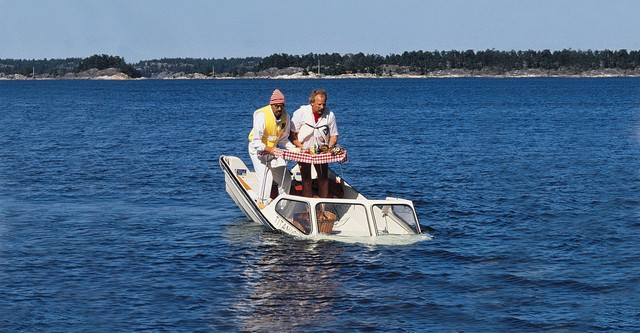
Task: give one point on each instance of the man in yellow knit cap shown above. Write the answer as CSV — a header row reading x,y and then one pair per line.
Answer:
x,y
271,126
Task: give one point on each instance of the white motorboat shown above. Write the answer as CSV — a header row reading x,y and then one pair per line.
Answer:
x,y
347,215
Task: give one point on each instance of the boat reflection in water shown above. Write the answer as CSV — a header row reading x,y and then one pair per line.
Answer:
x,y
288,286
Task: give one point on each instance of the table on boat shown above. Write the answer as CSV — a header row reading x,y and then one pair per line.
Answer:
x,y
323,158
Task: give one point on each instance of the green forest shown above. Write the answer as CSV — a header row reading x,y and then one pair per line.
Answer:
x,y
418,62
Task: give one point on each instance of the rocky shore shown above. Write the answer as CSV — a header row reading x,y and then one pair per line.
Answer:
x,y
388,72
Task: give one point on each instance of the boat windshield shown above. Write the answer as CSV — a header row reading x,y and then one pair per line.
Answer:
x,y
344,219
349,218
395,219
296,213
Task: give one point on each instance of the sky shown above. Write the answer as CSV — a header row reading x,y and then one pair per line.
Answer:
x,y
152,29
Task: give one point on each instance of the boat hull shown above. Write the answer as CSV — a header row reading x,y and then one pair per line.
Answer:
x,y
232,166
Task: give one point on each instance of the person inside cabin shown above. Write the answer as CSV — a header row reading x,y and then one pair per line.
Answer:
x,y
271,126
313,127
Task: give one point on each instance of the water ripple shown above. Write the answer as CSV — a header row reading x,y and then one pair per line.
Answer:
x,y
114,216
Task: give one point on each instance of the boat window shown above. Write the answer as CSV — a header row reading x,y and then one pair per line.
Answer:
x,y
395,219
296,213
344,219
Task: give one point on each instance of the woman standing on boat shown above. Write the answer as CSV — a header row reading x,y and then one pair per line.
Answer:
x,y
314,127
271,126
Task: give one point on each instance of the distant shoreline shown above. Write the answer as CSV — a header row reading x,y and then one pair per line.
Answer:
x,y
115,75
410,64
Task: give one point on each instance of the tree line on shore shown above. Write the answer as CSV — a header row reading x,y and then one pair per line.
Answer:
x,y
417,62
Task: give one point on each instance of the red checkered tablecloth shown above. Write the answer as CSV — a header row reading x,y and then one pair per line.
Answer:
x,y
323,158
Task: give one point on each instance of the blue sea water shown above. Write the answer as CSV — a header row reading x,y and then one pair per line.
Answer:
x,y
114,216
